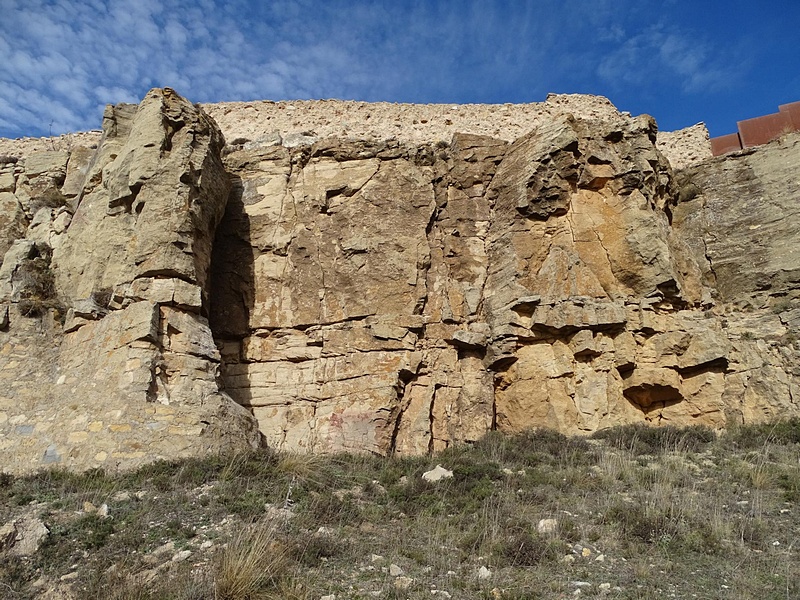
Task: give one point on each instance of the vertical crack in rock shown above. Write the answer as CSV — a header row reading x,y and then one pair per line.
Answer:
x,y
432,420
404,383
706,253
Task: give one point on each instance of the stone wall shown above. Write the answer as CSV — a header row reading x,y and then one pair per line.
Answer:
x,y
21,147
304,121
685,147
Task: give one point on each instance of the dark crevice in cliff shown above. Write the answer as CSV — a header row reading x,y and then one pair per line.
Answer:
x,y
125,204
717,365
162,273
432,419
405,380
232,281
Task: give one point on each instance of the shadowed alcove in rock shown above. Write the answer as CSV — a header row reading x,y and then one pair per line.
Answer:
x,y
232,285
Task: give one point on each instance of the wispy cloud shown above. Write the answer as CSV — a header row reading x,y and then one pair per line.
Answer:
x,y
70,57
662,56
61,61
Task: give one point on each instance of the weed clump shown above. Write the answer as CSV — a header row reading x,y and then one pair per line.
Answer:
x,y
34,284
644,439
754,437
252,566
526,549
535,447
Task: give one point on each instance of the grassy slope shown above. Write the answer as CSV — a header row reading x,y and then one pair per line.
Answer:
x,y
641,513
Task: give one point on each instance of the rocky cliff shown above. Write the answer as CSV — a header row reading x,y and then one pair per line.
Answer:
x,y
387,278
107,356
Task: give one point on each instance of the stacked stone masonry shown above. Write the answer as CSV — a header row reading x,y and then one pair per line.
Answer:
x,y
328,282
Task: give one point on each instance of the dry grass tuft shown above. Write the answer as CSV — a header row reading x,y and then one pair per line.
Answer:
x,y
253,566
302,466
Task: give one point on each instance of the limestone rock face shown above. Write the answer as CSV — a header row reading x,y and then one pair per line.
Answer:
x,y
321,268
150,202
165,294
399,298
744,210
131,374
739,219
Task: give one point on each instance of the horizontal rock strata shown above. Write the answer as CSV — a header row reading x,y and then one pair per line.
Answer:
x,y
399,298
328,281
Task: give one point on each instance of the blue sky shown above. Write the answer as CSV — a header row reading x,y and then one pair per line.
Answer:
x,y
682,61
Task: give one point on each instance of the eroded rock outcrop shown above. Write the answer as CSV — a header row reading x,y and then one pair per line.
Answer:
x,y
403,297
387,294
121,366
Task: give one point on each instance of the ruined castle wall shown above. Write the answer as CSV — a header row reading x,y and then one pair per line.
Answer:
x,y
685,147
300,121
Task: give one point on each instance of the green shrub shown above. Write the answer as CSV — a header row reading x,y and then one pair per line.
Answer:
x,y
15,573
645,439
533,447
701,539
416,496
326,509
753,437
789,481
310,550
551,447
525,549
636,521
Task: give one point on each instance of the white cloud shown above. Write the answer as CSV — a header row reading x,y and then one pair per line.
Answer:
x,y
660,54
62,60
69,56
